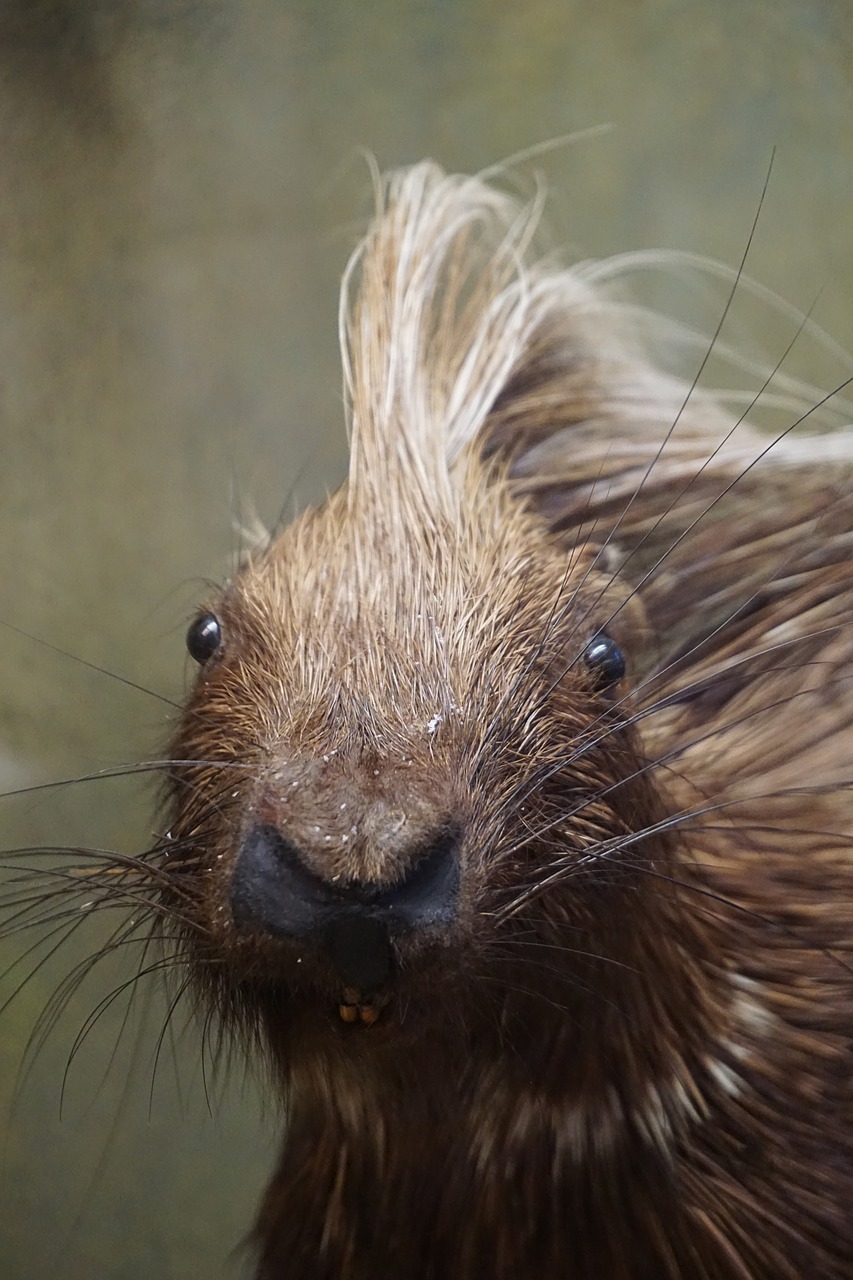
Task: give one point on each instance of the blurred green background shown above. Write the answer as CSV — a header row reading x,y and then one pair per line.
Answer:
x,y
180,185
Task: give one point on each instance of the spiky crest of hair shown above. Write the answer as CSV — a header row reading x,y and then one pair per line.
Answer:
x,y
455,347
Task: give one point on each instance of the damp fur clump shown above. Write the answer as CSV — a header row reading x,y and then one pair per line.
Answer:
x,y
509,815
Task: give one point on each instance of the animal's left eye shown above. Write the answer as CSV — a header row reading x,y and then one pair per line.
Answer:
x,y
605,661
204,637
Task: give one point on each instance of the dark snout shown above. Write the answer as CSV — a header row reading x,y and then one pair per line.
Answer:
x,y
351,922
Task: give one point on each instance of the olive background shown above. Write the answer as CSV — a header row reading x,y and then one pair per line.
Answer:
x,y
180,185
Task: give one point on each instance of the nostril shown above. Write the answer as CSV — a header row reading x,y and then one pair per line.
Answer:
x,y
272,890
429,892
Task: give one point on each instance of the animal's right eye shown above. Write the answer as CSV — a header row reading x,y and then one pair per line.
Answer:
x,y
604,661
204,637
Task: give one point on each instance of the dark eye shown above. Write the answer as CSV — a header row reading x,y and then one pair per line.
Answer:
x,y
204,637
604,660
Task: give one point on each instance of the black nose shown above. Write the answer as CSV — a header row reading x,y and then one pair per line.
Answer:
x,y
273,891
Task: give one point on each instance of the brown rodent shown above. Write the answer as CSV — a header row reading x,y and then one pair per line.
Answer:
x,y
510,809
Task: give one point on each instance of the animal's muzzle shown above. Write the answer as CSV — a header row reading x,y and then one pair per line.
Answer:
x,y
352,923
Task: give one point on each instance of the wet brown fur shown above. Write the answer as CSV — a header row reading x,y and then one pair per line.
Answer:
x,y
629,1058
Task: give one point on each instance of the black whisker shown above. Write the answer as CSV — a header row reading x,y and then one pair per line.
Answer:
x,y
91,666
